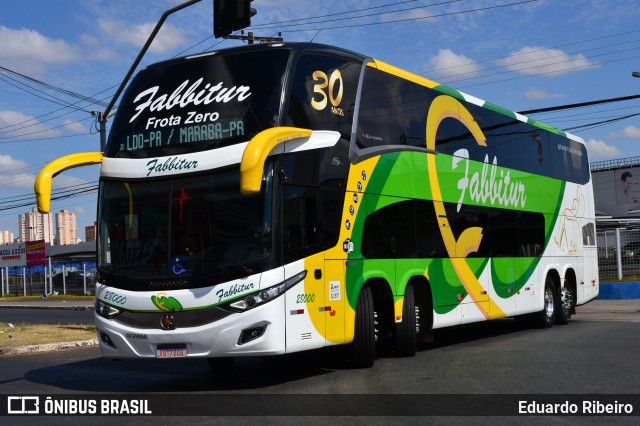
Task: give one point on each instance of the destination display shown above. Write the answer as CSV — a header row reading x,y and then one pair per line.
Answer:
x,y
195,104
222,129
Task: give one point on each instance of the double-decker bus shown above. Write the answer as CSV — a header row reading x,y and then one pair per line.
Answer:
x,y
281,197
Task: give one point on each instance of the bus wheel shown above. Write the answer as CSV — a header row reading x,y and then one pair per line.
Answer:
x,y
565,306
221,366
547,317
406,342
364,340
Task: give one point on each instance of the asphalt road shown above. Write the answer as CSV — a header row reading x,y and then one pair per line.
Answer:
x,y
597,353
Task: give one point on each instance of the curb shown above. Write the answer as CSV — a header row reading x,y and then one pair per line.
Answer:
x,y
47,347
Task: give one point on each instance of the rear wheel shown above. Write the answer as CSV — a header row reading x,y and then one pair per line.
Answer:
x,y
364,340
564,306
406,342
547,317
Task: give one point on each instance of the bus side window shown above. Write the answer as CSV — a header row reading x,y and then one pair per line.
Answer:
x,y
531,233
589,235
323,92
302,222
389,232
503,226
393,111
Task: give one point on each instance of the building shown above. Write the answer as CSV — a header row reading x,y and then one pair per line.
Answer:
x,y
35,226
66,228
91,232
6,237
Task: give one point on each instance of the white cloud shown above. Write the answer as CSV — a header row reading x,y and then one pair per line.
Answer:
x,y
542,61
411,14
538,95
21,126
631,132
447,64
17,174
63,181
14,174
74,126
96,49
168,38
599,149
30,52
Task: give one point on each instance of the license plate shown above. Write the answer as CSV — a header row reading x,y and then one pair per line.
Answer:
x,y
171,351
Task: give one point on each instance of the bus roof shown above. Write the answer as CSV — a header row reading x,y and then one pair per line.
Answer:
x,y
298,47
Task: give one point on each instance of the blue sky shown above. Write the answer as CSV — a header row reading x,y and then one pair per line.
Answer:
x,y
516,53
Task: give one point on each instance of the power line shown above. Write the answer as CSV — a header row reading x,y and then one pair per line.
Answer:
x,y
545,64
28,200
54,88
46,139
44,130
415,18
578,105
271,24
532,51
44,95
359,16
545,73
601,123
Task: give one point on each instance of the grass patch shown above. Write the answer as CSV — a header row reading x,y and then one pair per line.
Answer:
x,y
15,335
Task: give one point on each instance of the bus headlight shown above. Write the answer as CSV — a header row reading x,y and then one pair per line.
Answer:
x,y
263,296
105,310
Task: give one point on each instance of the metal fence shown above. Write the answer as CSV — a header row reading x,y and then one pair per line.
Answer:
x,y
72,278
618,254
79,277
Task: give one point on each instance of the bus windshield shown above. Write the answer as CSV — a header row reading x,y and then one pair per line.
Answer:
x,y
199,103
184,229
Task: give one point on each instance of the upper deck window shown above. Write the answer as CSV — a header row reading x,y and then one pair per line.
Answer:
x,y
199,103
323,92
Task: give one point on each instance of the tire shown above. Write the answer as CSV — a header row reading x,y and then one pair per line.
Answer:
x,y
547,316
564,306
406,342
363,348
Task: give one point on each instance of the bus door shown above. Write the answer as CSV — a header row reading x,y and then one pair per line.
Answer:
x,y
305,321
302,244
588,283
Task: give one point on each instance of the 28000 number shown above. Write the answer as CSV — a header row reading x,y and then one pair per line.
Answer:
x,y
305,298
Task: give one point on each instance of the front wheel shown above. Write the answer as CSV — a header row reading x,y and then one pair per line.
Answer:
x,y
364,339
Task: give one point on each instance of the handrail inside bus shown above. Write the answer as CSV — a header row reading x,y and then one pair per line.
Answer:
x,y
256,152
42,185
